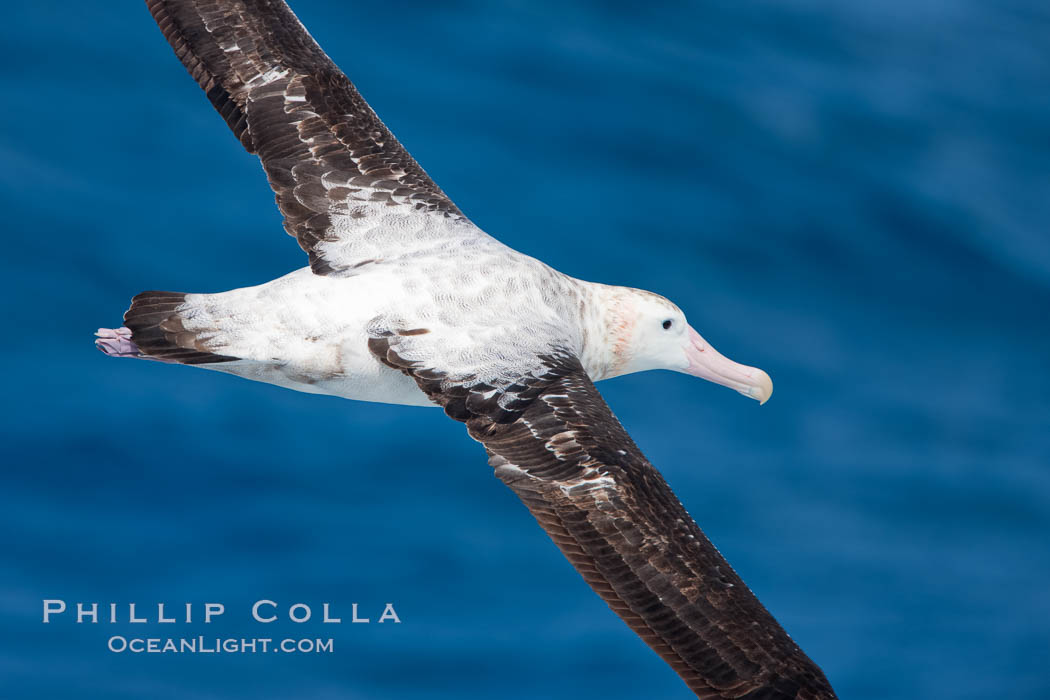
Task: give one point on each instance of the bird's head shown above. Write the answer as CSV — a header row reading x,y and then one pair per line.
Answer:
x,y
649,332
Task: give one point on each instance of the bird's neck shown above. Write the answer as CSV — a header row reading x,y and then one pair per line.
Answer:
x,y
607,321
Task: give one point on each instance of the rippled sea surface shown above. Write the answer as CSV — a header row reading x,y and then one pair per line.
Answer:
x,y
853,195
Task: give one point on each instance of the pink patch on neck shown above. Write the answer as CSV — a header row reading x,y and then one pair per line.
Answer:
x,y
621,330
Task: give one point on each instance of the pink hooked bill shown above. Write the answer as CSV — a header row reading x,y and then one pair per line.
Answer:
x,y
707,363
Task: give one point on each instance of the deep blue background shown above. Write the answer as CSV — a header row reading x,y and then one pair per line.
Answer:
x,y
853,195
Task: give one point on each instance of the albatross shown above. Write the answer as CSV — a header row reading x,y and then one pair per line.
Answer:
x,y
406,301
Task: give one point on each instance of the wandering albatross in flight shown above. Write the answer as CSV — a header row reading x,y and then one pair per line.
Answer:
x,y
406,301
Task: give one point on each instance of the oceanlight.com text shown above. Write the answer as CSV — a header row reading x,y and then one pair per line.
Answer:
x,y
217,645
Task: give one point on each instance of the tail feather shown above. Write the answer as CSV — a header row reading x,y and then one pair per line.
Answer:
x,y
153,330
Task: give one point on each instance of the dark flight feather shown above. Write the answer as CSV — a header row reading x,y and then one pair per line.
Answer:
x,y
617,521
319,141
158,331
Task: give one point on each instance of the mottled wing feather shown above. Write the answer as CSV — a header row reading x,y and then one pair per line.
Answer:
x,y
616,520
337,171
501,395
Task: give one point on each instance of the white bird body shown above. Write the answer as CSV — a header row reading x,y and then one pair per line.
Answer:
x,y
310,332
304,332
480,311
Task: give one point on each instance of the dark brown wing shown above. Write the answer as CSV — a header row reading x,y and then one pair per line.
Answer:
x,y
335,168
553,440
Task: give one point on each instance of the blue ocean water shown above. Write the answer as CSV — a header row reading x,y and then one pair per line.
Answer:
x,y
852,195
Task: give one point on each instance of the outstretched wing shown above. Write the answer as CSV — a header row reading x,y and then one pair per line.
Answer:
x,y
348,190
553,440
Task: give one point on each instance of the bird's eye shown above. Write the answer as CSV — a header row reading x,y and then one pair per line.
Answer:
x,y
667,324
